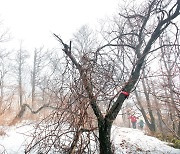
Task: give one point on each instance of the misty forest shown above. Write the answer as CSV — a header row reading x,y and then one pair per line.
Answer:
x,y
125,69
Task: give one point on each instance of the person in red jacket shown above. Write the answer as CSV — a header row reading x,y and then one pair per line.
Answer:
x,y
133,121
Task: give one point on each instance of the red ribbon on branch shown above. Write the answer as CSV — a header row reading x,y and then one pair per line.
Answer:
x,y
125,93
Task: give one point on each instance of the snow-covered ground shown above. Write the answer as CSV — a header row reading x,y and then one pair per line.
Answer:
x,y
16,138
134,141
125,140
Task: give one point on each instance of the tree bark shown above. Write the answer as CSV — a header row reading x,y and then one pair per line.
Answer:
x,y
105,136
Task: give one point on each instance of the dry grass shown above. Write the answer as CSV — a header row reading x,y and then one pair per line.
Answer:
x,y
8,117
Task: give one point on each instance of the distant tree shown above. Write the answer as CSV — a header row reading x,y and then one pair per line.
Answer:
x,y
3,73
147,103
4,36
158,110
158,89
170,81
18,66
39,62
20,62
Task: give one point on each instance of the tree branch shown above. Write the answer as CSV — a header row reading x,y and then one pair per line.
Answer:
x,y
85,79
162,25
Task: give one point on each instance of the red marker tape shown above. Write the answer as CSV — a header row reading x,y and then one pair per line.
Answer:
x,y
125,93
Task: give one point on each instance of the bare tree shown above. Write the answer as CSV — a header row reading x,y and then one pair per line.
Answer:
x,y
20,62
3,72
4,55
147,102
131,38
158,110
103,83
170,80
4,36
39,62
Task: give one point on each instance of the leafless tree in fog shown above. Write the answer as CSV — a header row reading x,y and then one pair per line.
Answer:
x,y
94,78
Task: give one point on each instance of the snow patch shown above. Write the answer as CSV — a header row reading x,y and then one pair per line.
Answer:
x,y
134,141
125,140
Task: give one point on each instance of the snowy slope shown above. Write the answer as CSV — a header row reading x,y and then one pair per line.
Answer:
x,y
16,139
126,141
